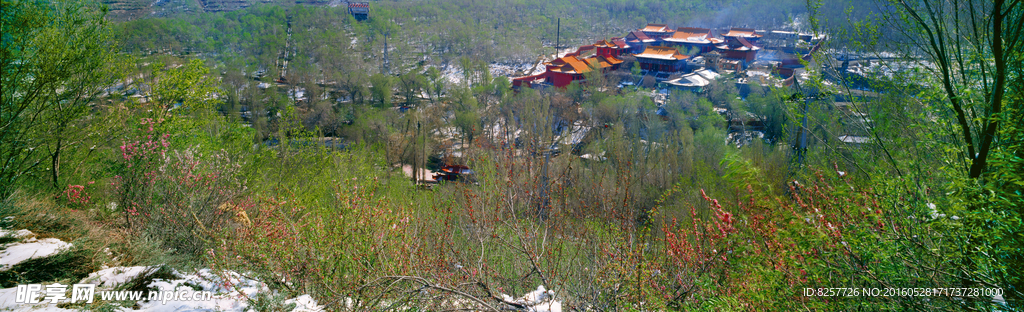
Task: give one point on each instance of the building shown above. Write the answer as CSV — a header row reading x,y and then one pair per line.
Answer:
x,y
789,49
638,41
564,70
609,48
748,34
738,50
662,59
621,43
697,81
359,10
657,31
694,39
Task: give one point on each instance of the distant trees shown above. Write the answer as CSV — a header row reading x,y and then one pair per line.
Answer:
x,y
354,83
187,86
771,110
467,119
412,83
56,60
435,83
382,88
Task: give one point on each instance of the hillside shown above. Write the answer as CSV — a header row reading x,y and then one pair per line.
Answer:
x,y
511,156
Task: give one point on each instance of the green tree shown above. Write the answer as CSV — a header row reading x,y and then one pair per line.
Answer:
x,y
436,83
56,59
972,45
412,83
382,87
188,86
467,120
771,110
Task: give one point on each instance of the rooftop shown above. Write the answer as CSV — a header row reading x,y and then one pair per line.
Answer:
x,y
689,80
636,36
744,45
742,33
656,28
662,53
620,42
691,35
575,65
605,44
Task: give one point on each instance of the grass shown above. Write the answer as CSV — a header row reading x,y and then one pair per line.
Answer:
x,y
66,267
7,239
96,241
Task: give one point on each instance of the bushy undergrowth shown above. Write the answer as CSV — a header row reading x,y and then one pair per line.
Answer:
x,y
178,195
41,217
68,266
686,223
341,226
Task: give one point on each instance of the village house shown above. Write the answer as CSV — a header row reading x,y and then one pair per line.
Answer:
x,y
638,41
738,50
609,48
662,59
657,31
359,10
564,70
698,40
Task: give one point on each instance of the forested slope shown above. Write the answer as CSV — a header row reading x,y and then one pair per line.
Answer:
x,y
273,141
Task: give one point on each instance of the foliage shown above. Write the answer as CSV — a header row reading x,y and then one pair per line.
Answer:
x,y
976,44
177,195
56,60
69,266
602,196
348,232
382,88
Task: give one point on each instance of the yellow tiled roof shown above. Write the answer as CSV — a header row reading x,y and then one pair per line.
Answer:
x,y
656,28
658,52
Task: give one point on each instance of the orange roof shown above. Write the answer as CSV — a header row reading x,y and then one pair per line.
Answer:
x,y
692,31
656,28
691,35
574,65
608,61
605,44
664,53
557,62
742,32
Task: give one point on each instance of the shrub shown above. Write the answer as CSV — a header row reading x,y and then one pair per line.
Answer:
x,y
324,246
175,195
